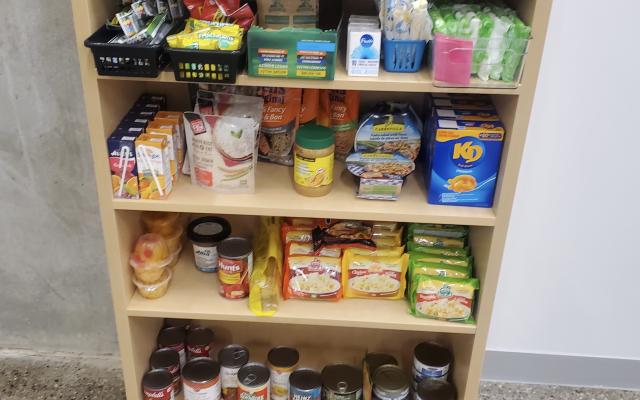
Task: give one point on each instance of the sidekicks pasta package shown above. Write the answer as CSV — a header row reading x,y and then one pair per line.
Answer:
x,y
446,299
442,251
368,277
312,278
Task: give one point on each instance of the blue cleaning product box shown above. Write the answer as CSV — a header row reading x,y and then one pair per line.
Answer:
x,y
464,159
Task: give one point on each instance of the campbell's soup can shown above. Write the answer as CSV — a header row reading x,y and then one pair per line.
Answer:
x,y
157,384
430,361
305,384
235,263
173,338
201,379
199,342
341,382
168,359
282,362
253,382
231,358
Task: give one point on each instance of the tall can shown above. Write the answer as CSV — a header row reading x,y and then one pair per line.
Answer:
x,y
282,362
235,264
168,359
231,358
341,382
390,383
173,338
157,384
305,384
201,379
253,382
430,361
199,342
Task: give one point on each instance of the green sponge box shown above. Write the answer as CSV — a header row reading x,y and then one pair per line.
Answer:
x,y
305,53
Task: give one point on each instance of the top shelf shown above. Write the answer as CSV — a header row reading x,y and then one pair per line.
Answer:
x,y
420,82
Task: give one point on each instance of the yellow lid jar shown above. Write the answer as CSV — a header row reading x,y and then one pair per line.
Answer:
x,y
313,160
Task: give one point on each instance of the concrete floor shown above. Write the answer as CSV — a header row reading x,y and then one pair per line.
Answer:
x,y
26,376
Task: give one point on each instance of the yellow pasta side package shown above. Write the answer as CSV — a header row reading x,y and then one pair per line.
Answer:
x,y
446,299
382,277
264,292
390,251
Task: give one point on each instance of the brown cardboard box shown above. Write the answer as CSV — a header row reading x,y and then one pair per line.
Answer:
x,y
280,13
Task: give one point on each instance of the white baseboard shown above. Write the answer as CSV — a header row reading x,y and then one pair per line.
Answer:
x,y
550,369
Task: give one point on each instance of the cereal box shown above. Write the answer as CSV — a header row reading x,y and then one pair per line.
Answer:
x,y
154,166
464,162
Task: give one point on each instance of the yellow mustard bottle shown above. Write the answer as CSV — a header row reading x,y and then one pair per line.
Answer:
x,y
313,160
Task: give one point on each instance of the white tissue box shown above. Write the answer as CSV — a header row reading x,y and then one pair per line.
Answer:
x,y
363,49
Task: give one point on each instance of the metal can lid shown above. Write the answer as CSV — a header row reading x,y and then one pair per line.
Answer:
x,y
342,378
171,336
234,248
283,357
164,358
305,379
233,356
199,336
432,354
157,379
434,389
374,360
177,323
201,370
253,375
391,379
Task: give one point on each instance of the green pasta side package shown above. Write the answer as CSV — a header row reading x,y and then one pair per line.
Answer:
x,y
452,231
456,261
445,299
442,251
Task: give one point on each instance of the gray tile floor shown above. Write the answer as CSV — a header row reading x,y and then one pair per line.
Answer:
x,y
58,377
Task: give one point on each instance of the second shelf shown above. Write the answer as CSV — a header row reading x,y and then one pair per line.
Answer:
x,y
194,295
275,196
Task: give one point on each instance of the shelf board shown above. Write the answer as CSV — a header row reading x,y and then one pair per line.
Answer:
x,y
420,82
275,196
194,295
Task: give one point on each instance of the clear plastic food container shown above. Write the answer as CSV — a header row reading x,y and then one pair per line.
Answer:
x,y
495,63
150,257
157,289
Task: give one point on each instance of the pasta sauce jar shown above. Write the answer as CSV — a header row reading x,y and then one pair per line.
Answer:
x,y
253,382
235,263
232,358
313,161
157,384
282,362
201,379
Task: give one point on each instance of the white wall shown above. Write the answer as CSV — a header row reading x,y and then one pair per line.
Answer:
x,y
570,281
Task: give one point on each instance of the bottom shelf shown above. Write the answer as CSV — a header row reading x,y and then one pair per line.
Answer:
x,y
194,295
318,346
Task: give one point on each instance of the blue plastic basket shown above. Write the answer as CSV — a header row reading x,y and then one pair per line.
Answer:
x,y
403,55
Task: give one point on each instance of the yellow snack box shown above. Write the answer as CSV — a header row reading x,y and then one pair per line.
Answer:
x,y
154,166
166,129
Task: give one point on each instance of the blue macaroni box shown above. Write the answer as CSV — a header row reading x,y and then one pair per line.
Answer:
x,y
464,158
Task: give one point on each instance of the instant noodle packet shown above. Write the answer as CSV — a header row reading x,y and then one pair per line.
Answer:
x,y
313,278
367,277
386,252
433,269
452,231
446,299
296,234
443,251
440,259
306,249
344,234
437,241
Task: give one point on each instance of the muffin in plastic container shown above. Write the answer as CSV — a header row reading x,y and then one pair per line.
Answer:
x,y
175,256
150,257
162,222
155,290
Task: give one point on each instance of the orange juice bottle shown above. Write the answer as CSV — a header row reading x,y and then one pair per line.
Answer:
x,y
154,166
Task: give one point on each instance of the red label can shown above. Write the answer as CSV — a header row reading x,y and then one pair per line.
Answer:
x,y
201,379
235,264
157,384
199,342
253,382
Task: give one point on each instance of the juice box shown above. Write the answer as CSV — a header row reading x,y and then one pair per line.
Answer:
x,y
154,166
464,162
176,118
167,130
122,162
